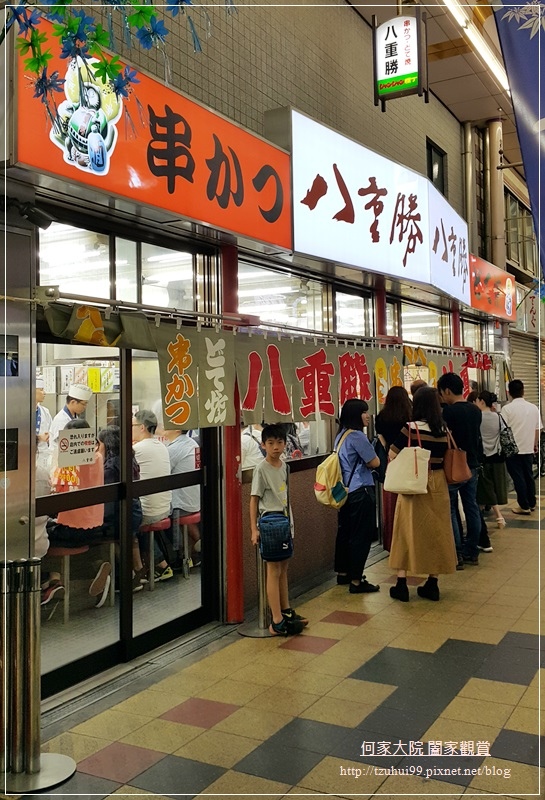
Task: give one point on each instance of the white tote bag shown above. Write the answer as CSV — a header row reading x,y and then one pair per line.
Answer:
x,y
408,472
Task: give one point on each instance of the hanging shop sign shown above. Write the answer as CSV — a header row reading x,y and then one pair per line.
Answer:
x,y
400,58
492,289
353,206
147,142
279,378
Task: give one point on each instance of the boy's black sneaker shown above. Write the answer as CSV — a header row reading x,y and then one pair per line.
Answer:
x,y
290,615
286,627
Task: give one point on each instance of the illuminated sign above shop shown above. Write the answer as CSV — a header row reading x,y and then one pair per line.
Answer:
x,y
148,143
400,57
355,207
492,289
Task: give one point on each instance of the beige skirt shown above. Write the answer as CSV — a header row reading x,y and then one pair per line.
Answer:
x,y
423,541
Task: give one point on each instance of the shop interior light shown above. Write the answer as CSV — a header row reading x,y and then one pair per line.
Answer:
x,y
168,257
267,290
481,48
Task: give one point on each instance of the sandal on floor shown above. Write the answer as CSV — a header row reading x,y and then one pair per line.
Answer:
x,y
500,522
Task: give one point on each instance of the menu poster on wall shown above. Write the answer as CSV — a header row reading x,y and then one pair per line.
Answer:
x,y
492,289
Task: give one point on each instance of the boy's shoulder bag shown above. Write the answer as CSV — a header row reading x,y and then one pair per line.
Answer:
x,y
275,539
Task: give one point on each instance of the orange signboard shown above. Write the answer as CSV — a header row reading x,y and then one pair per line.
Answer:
x,y
492,289
155,147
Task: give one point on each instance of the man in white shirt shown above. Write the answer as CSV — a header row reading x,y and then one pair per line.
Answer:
x,y
154,462
524,420
185,456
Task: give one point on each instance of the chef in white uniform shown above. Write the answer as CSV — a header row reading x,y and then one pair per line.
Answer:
x,y
43,425
76,402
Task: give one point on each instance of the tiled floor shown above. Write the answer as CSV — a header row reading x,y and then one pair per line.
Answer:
x,y
445,693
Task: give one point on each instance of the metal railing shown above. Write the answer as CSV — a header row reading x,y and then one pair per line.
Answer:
x,y
22,766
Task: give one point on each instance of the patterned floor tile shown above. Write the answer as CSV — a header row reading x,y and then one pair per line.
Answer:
x,y
162,735
174,775
119,762
516,746
111,725
450,730
317,683
480,689
216,747
308,644
241,784
286,701
333,710
516,666
199,712
328,777
466,709
261,724
361,691
307,734
419,786
230,691
148,704
392,724
260,674
85,787
274,760
74,745
526,720
347,618
458,770
508,778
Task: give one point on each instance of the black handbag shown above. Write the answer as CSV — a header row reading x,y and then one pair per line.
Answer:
x,y
382,454
275,539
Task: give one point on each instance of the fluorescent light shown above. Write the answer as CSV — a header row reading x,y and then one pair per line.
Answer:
x,y
482,49
418,325
265,290
163,259
262,310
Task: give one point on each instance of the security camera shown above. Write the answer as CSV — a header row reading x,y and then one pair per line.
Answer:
x,y
35,215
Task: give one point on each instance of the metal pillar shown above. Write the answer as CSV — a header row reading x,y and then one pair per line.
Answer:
x,y
24,768
260,628
497,200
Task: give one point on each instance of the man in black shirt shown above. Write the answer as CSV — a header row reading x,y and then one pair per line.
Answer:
x,y
464,422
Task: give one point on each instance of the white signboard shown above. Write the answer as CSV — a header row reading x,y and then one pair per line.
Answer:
x,y
353,206
76,447
396,54
449,257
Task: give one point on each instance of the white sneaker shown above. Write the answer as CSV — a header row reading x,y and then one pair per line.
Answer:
x,y
486,549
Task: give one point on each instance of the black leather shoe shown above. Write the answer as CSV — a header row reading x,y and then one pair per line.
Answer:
x,y
429,590
363,587
400,592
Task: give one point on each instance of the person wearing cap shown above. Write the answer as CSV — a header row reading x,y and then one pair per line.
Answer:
x,y
154,462
76,402
43,426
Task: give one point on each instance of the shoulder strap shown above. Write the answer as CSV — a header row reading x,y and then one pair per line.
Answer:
x,y
341,440
451,444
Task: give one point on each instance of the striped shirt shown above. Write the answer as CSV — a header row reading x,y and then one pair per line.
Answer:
x,y
437,445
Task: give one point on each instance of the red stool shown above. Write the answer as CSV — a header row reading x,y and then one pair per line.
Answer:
x,y
184,521
161,525
65,553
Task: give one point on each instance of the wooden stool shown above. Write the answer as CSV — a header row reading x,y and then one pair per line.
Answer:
x,y
161,525
184,521
65,553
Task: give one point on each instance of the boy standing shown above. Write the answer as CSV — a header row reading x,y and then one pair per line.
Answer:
x,y
270,494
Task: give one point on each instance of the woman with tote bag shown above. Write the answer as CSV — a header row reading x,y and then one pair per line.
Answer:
x,y
492,485
423,542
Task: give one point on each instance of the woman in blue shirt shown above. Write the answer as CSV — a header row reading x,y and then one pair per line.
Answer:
x,y
357,518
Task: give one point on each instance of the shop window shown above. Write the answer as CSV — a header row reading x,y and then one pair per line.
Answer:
x,y
519,235
280,298
77,261
167,278
353,315
392,319
472,335
126,270
423,326
437,166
